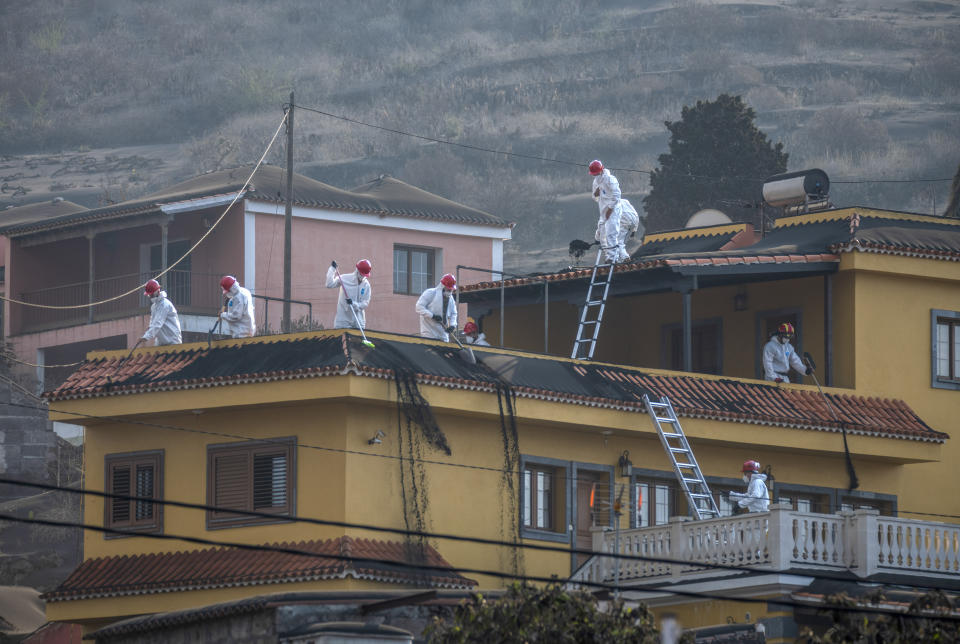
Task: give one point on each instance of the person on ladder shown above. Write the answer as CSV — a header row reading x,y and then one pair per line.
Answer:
x,y
354,296
779,356
437,309
164,321
756,498
618,217
238,312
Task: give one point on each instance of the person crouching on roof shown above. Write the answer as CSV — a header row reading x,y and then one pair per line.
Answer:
x,y
354,295
756,498
237,315
618,217
779,356
472,335
164,321
438,309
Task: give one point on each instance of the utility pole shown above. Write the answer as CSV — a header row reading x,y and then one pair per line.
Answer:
x,y
288,222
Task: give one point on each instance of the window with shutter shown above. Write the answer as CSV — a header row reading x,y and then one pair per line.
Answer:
x,y
257,476
138,474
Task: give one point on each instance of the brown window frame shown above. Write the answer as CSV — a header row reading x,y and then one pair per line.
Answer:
x,y
646,508
432,260
953,329
245,459
554,509
704,334
133,460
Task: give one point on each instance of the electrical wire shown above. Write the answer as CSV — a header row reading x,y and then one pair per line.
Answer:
x,y
422,534
340,450
12,358
574,163
184,256
472,571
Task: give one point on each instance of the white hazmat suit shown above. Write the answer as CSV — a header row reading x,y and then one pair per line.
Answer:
x,y
612,231
778,357
238,318
480,340
355,288
756,498
164,321
431,304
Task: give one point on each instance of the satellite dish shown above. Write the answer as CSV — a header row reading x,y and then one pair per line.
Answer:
x,y
708,217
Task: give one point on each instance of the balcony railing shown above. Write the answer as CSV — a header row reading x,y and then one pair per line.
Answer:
x,y
861,541
189,291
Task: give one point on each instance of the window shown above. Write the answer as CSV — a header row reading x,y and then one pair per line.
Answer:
x,y
177,283
543,498
706,354
257,476
946,349
655,499
886,504
134,474
413,269
804,501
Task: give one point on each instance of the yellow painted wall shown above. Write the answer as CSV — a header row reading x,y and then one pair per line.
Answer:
x,y
363,487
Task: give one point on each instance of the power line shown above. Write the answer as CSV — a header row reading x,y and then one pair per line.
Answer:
x,y
575,163
183,257
340,450
462,570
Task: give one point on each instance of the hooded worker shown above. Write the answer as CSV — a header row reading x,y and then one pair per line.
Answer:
x,y
779,356
618,217
354,295
238,313
164,321
756,498
438,309
472,335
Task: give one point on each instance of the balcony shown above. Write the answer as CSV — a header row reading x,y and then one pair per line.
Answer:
x,y
862,542
197,293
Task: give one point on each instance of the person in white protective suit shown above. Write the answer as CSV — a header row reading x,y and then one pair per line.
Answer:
x,y
437,309
779,356
756,498
238,311
472,335
618,217
164,321
354,295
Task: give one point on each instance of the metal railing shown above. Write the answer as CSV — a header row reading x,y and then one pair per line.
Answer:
x,y
503,275
189,291
860,541
299,321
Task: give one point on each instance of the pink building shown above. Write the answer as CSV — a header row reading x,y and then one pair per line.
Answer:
x,y
61,254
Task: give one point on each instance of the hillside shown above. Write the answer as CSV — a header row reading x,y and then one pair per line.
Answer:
x,y
106,99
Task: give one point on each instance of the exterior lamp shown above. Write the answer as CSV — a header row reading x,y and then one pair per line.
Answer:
x,y
624,466
740,301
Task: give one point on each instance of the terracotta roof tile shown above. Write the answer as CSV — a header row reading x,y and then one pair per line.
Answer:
x,y
385,561
331,353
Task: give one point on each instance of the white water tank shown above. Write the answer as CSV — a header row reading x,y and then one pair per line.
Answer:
x,y
707,217
795,188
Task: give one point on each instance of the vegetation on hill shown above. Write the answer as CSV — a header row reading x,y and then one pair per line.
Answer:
x,y
858,89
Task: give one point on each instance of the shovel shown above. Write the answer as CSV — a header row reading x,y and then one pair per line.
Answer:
x,y
464,353
215,327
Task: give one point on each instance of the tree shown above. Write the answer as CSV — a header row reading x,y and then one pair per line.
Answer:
x,y
550,614
938,624
718,159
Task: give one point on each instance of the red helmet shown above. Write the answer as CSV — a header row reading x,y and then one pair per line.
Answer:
x,y
470,327
751,466
596,167
151,287
786,327
449,281
227,282
364,267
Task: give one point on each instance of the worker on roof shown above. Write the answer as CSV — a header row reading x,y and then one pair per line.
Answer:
x,y
354,295
237,313
472,335
779,356
164,321
618,217
756,498
437,309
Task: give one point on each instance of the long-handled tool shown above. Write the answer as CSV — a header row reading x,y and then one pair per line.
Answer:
x,y
812,366
356,318
465,353
218,325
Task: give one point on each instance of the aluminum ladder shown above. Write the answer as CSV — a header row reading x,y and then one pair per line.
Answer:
x,y
596,302
699,498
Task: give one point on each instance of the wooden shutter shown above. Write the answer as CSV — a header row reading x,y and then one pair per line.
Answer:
x,y
231,481
120,484
270,480
134,474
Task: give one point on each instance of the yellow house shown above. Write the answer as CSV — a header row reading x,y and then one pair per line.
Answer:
x,y
375,447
